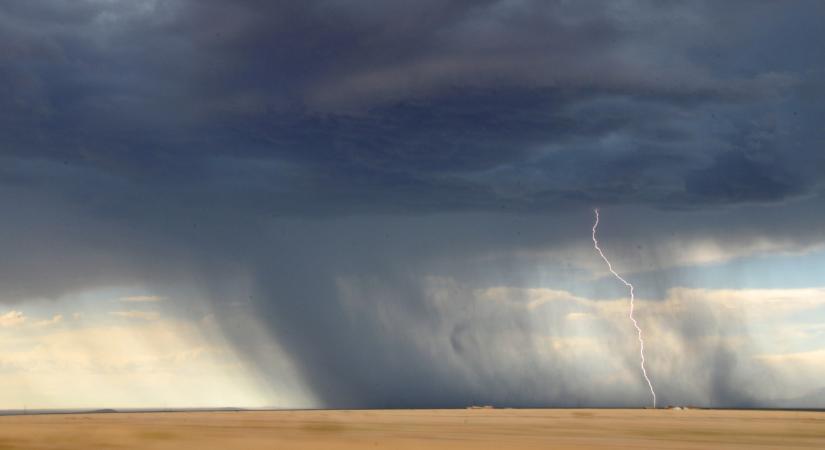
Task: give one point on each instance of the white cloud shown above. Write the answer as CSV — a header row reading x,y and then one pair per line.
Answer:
x,y
12,318
579,316
812,358
128,364
802,371
135,314
142,299
528,298
47,322
756,303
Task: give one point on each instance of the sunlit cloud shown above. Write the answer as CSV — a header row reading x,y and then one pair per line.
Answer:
x,y
142,299
758,303
135,314
12,318
578,316
141,363
48,322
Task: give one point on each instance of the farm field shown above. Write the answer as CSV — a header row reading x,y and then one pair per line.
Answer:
x,y
408,429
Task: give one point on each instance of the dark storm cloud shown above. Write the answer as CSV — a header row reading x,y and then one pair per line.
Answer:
x,y
196,141
736,178
416,100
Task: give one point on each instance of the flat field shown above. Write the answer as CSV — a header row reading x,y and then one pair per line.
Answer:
x,y
419,429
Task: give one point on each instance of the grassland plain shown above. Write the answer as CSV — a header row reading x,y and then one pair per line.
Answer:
x,y
408,429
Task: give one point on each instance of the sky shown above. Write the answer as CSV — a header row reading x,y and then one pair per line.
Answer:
x,y
370,204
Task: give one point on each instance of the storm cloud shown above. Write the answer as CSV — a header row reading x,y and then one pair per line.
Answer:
x,y
360,174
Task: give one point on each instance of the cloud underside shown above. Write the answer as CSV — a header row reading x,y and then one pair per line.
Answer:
x,y
434,107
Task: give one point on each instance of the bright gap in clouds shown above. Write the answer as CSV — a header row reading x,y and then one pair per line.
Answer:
x,y
97,349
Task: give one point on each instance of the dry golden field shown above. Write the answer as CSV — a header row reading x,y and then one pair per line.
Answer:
x,y
407,429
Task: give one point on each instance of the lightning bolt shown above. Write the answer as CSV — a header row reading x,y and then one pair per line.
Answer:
x,y
632,298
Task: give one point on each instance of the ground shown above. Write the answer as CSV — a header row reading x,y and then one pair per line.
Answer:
x,y
407,429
